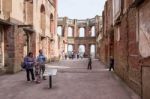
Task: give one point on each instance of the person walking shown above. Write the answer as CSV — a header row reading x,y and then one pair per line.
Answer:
x,y
29,61
90,64
41,59
111,63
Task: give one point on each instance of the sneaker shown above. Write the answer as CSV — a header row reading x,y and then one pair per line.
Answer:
x,y
33,80
38,82
28,81
44,78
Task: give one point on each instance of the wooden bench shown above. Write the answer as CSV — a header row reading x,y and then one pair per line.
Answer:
x,y
50,72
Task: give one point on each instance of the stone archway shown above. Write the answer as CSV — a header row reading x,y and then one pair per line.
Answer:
x,y
81,50
70,50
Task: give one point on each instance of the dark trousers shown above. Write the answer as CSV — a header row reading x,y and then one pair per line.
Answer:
x,y
30,71
111,67
89,66
42,69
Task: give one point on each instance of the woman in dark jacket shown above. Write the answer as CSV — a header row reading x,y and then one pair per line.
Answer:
x,y
29,64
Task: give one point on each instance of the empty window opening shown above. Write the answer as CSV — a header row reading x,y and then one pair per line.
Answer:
x,y
59,30
93,32
82,32
70,32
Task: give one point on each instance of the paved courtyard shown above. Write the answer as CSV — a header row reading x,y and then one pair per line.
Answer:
x,y
73,81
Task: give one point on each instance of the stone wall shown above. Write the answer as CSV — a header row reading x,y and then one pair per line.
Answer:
x,y
21,21
129,44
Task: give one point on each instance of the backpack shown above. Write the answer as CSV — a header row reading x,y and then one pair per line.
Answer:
x,y
23,65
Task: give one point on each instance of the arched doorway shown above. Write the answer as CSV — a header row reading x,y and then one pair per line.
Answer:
x,y
81,50
70,50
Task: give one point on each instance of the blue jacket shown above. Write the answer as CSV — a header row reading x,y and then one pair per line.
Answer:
x,y
41,59
29,62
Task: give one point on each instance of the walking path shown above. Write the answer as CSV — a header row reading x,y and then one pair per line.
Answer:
x,y
73,81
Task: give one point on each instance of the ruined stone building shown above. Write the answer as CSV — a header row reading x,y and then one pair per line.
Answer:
x,y
125,36
26,25
80,35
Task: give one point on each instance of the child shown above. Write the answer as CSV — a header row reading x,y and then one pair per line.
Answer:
x,y
37,73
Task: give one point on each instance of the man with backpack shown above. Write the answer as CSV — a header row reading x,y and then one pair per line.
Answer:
x,y
29,62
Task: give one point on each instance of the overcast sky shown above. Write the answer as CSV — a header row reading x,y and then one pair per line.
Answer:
x,y
80,9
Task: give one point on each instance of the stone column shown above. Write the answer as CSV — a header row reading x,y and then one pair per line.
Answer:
x,y
87,50
86,31
65,27
66,48
75,28
76,47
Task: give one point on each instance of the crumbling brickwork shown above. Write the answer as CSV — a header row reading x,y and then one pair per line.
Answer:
x,y
126,40
87,40
21,26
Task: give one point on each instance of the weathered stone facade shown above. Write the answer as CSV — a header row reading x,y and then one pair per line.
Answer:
x,y
126,38
26,26
76,39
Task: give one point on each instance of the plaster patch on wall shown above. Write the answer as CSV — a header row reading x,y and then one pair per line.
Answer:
x,y
144,31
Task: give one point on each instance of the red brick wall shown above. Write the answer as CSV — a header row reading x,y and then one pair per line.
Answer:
x,y
126,51
134,58
14,47
107,22
120,47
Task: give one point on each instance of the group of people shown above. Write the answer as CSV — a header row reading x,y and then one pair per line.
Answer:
x,y
74,55
35,67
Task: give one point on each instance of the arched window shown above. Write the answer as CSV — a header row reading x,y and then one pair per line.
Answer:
x,y
70,32
92,51
93,34
81,49
70,50
43,18
59,30
52,24
82,32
